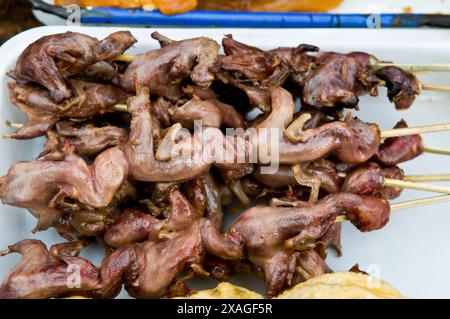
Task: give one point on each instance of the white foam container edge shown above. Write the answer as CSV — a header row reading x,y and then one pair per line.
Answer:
x,y
411,252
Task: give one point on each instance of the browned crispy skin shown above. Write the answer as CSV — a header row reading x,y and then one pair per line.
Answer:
x,y
196,195
258,97
135,226
402,86
204,112
52,59
395,150
41,273
351,141
148,270
368,179
322,169
41,185
42,112
159,69
272,234
337,81
155,265
309,265
160,109
231,118
332,238
90,222
262,68
191,162
132,226
393,172
298,59
89,140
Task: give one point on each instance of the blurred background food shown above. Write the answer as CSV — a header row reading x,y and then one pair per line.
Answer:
x,y
338,285
15,16
181,6
342,285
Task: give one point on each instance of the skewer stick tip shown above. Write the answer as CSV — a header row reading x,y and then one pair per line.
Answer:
x,y
5,252
125,58
120,108
415,130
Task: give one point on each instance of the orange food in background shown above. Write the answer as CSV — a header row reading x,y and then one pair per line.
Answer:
x,y
180,6
294,5
107,3
175,6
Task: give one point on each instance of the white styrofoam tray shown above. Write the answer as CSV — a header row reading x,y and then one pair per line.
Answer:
x,y
411,252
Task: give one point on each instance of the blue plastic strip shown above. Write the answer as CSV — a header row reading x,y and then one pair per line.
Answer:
x,y
246,19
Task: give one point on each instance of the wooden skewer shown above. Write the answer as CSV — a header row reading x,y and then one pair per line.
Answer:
x,y
419,178
408,184
120,108
408,204
415,68
436,88
415,130
396,132
427,178
432,67
389,182
426,87
436,150
125,58
15,125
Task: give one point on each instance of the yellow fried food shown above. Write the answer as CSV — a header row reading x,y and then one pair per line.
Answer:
x,y
226,290
342,285
165,6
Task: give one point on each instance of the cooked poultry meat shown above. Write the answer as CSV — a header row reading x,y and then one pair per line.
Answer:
x,y
257,97
393,172
298,59
94,222
52,59
147,269
323,170
368,179
332,238
135,226
100,72
44,186
43,273
337,81
89,140
42,112
247,63
151,183
402,86
396,150
183,156
223,270
271,235
159,69
309,265
205,112
206,195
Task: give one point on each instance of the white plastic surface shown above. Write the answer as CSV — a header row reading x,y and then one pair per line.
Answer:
x,y
411,252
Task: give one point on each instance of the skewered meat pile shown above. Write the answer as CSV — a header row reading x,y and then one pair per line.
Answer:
x,y
139,157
